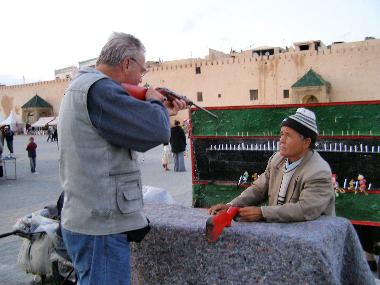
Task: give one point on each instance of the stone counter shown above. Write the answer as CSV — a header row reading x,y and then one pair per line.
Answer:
x,y
324,251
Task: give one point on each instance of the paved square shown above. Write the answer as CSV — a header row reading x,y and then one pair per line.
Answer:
x,y
31,192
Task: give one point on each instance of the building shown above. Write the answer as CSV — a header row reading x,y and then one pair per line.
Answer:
x,y
14,97
66,73
34,109
88,63
308,72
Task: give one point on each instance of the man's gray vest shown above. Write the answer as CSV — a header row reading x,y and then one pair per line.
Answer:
x,y
101,181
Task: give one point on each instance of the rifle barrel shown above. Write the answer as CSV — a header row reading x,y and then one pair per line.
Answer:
x,y
203,109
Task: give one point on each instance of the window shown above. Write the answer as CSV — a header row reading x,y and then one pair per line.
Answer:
x,y
199,97
219,95
286,93
253,94
197,70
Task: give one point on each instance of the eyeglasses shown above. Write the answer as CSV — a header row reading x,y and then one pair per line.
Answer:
x,y
143,70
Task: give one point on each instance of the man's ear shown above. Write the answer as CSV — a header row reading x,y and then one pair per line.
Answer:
x,y
125,64
307,142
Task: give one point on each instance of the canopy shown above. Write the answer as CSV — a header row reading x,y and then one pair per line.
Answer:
x,y
54,122
42,122
11,121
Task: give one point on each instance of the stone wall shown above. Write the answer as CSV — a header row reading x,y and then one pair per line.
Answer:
x,y
13,97
352,69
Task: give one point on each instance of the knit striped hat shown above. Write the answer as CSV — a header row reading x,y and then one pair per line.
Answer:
x,y
304,122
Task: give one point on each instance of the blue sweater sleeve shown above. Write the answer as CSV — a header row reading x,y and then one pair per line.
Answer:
x,y
125,121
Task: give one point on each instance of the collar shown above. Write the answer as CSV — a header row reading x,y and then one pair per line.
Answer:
x,y
291,166
279,164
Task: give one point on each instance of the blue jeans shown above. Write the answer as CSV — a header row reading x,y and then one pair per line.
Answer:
x,y
100,260
179,161
32,161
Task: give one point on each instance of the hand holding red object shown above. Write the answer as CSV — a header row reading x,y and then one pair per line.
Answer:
x,y
216,223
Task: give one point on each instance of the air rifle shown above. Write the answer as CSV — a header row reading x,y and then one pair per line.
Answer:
x,y
139,93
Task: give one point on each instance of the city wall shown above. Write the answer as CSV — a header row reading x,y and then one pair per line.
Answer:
x,y
14,96
353,69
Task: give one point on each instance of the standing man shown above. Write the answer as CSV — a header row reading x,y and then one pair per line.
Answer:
x,y
178,145
296,182
31,149
9,139
50,134
100,129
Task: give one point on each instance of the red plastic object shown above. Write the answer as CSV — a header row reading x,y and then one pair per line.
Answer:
x,y
135,91
216,224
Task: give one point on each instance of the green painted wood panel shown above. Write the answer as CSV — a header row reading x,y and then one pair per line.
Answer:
x,y
346,120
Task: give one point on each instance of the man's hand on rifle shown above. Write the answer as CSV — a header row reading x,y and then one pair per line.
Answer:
x,y
152,94
175,106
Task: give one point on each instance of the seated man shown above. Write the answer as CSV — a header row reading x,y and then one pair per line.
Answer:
x,y
296,182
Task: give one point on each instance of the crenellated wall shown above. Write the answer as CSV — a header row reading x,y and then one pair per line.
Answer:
x,y
353,70
14,96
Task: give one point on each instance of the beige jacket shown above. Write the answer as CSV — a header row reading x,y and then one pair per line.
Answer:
x,y
310,192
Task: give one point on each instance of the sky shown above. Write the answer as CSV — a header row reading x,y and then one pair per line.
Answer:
x,y
40,36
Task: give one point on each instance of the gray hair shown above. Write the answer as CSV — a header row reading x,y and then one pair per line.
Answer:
x,y
119,47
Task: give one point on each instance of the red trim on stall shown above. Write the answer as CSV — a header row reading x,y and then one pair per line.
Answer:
x,y
366,223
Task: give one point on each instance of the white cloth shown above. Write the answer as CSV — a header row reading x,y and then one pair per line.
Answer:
x,y
154,195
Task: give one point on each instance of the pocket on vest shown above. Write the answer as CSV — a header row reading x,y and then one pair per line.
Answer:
x,y
129,192
133,154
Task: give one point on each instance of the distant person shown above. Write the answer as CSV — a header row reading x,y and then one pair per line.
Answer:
x,y
186,127
27,128
50,134
1,163
178,144
2,135
9,139
31,149
166,157
55,135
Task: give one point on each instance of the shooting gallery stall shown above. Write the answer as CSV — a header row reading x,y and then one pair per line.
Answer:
x,y
228,153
